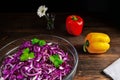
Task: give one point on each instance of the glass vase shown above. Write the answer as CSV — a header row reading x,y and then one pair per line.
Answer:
x,y
50,21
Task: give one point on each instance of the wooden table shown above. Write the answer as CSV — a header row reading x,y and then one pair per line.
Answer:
x,y
90,67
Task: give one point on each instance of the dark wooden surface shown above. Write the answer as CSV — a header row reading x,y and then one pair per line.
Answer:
x,y
90,67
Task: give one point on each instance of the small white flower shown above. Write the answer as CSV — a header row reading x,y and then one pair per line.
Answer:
x,y
42,10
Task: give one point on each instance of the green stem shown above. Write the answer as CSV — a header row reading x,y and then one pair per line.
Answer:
x,y
74,18
85,45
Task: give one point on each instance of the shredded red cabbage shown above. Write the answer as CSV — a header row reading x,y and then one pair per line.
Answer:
x,y
38,68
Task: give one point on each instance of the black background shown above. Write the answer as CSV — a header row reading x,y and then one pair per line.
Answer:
x,y
110,9
102,6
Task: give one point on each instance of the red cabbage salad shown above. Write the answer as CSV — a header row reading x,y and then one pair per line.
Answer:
x,y
36,60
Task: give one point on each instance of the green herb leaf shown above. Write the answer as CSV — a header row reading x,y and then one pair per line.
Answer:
x,y
51,58
56,56
56,60
31,55
42,42
26,54
56,63
26,50
60,61
24,57
35,40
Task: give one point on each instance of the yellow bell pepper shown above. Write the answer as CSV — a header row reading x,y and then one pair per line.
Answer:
x,y
96,42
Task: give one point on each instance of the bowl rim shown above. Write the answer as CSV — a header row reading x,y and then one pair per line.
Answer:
x,y
59,37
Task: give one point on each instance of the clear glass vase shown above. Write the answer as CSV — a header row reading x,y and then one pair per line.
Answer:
x,y
50,21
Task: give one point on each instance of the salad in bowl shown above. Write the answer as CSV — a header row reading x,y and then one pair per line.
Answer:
x,y
38,57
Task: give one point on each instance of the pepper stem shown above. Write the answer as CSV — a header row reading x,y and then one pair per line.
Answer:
x,y
84,46
74,18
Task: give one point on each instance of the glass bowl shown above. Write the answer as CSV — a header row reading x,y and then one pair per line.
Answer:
x,y
11,48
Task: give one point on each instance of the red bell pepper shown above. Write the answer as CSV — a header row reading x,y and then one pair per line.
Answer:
x,y
74,25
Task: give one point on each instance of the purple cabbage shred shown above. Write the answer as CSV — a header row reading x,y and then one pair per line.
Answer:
x,y
38,68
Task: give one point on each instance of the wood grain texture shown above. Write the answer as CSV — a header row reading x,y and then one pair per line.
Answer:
x,y
90,67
